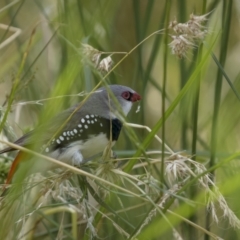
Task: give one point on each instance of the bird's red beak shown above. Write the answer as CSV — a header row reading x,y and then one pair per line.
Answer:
x,y
135,97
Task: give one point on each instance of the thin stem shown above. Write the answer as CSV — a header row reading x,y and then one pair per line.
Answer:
x,y
226,23
136,10
38,56
183,78
16,81
226,76
12,20
153,55
16,33
165,58
193,218
147,16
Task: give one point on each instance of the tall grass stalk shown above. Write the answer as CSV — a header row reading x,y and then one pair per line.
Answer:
x,y
165,59
195,111
226,24
182,5
16,82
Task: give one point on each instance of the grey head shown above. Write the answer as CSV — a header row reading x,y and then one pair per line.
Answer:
x,y
106,101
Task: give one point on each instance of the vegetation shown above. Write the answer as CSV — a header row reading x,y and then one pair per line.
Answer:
x,y
176,173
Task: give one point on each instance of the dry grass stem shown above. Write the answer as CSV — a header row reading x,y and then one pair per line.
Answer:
x,y
16,31
149,130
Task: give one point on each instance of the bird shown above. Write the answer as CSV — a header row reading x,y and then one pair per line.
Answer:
x,y
82,131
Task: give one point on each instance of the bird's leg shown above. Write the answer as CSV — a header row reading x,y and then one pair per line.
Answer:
x,y
113,155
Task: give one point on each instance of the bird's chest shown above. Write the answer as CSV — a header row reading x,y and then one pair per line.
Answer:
x,y
94,145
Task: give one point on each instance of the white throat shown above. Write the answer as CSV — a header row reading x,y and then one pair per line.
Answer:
x,y
126,107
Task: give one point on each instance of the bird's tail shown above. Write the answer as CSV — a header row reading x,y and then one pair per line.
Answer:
x,y
19,158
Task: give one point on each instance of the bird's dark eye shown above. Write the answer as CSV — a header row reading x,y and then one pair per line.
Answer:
x,y
127,95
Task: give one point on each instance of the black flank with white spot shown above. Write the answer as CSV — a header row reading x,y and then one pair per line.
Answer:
x,y
89,126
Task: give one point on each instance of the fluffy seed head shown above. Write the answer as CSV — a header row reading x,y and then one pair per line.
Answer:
x,y
105,64
180,45
187,33
91,53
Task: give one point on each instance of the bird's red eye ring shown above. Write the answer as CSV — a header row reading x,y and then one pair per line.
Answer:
x,y
126,95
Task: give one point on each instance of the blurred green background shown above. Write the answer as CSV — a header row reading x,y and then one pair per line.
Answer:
x,y
54,67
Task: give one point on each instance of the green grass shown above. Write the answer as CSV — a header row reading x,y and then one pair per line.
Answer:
x,y
159,187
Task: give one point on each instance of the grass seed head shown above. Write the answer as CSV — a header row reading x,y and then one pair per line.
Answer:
x,y
187,34
91,53
180,45
105,64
